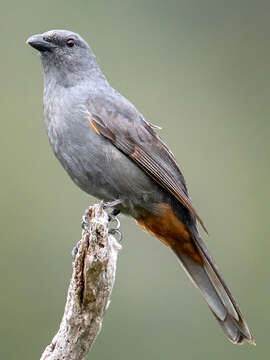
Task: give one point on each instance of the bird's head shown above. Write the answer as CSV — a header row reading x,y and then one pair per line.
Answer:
x,y
64,54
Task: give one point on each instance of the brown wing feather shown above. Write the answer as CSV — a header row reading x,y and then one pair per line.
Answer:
x,y
155,170
133,142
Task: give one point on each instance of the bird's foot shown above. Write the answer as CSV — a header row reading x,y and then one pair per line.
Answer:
x,y
85,218
85,226
113,218
116,232
75,250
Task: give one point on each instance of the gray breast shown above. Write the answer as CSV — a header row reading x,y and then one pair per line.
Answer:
x,y
91,161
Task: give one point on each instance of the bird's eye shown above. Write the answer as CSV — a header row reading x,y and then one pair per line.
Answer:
x,y
70,43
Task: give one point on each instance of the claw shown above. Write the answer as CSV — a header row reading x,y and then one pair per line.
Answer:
x,y
85,218
75,250
116,231
115,212
114,218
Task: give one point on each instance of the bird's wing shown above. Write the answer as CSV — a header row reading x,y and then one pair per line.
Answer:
x,y
137,138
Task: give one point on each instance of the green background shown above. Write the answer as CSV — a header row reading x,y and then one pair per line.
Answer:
x,y
199,69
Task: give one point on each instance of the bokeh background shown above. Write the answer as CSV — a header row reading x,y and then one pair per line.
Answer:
x,y
199,69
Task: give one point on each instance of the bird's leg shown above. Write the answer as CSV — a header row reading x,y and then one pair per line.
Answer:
x,y
113,214
112,204
113,217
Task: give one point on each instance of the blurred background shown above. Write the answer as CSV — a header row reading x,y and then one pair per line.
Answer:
x,y
199,69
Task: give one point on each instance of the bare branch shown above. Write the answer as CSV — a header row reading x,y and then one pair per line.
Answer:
x,y
89,291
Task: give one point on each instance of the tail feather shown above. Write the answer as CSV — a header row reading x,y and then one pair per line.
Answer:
x,y
217,295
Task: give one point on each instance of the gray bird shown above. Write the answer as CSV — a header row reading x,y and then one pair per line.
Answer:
x,y
111,152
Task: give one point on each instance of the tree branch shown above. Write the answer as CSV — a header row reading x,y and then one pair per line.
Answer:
x,y
89,291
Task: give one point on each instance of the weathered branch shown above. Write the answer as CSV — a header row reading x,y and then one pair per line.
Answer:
x,y
89,290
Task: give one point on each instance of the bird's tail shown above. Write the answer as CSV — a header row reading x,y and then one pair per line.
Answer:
x,y
216,293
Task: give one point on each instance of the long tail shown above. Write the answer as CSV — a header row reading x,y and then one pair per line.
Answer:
x,y
216,293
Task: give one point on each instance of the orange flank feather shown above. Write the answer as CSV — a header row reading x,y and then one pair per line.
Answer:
x,y
171,231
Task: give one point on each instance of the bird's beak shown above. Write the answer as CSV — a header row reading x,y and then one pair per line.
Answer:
x,y
38,43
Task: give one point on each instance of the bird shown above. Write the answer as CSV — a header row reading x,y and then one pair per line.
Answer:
x,y
113,153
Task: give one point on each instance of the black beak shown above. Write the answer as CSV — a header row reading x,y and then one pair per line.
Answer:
x,y
38,42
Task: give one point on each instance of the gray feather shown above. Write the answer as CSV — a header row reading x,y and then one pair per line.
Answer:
x,y
218,298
